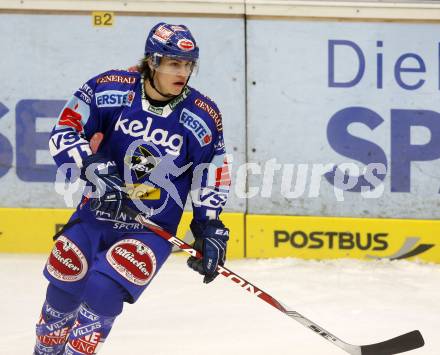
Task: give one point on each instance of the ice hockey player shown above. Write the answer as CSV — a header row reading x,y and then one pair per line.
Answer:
x,y
162,140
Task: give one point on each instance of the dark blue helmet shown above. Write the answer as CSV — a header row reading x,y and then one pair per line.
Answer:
x,y
171,41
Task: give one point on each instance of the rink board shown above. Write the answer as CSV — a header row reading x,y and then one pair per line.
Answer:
x,y
24,230
331,238
260,236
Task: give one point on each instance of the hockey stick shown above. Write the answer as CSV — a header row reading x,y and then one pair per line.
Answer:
x,y
397,345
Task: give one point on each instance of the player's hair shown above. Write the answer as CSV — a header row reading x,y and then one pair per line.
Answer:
x,y
144,68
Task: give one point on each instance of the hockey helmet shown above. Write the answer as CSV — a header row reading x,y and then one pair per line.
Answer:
x,y
174,41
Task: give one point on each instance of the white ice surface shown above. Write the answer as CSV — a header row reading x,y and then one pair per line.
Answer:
x,y
360,302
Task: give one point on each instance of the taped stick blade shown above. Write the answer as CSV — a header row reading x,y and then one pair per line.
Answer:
x,y
402,343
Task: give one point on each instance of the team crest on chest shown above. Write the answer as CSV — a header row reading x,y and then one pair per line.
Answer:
x,y
141,162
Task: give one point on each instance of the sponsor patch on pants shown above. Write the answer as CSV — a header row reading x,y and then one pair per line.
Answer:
x,y
66,261
134,260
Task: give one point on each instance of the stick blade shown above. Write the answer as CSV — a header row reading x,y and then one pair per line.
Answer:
x,y
406,342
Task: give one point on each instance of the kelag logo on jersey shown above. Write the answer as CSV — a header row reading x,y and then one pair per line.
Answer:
x,y
142,162
158,136
114,98
197,126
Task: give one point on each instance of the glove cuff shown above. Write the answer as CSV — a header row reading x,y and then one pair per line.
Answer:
x,y
212,228
98,159
94,158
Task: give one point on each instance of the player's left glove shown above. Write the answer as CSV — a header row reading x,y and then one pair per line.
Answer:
x,y
109,187
211,237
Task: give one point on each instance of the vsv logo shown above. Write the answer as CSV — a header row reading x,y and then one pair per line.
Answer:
x,y
211,198
64,140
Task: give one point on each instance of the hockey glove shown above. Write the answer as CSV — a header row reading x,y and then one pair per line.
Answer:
x,y
210,239
108,195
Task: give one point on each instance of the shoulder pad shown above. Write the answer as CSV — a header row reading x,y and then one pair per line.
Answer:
x,y
205,104
118,77
114,88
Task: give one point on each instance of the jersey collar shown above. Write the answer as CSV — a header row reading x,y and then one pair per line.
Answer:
x,y
166,110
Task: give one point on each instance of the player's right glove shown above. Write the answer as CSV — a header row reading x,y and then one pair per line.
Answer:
x,y
211,237
108,196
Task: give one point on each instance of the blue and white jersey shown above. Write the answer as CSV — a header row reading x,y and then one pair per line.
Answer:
x,y
162,153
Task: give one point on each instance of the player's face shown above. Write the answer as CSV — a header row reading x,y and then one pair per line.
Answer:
x,y
172,75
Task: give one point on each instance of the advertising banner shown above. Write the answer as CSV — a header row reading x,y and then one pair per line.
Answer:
x,y
335,119
31,230
331,238
343,118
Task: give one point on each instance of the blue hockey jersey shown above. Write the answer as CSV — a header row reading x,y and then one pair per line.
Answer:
x,y
162,153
